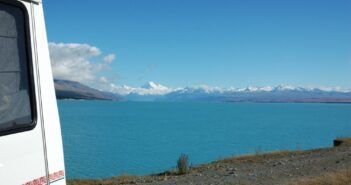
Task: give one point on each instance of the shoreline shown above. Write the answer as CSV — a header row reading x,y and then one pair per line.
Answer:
x,y
276,167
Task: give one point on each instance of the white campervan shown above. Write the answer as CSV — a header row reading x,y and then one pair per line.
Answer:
x,y
30,135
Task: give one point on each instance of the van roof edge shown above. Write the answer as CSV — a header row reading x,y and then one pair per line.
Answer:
x,y
35,1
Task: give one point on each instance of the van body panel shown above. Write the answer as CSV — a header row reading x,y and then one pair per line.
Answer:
x,y
49,104
35,156
22,154
22,157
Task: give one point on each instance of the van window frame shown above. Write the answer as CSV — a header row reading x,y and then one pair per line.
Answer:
x,y
30,70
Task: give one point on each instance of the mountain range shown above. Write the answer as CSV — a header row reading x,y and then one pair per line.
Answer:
x,y
156,92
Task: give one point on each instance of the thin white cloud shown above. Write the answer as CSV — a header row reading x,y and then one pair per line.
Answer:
x,y
109,58
73,61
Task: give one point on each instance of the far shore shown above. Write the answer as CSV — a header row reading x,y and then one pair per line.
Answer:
x,y
312,101
324,166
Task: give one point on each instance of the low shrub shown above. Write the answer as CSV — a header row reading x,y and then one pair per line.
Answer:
x,y
183,164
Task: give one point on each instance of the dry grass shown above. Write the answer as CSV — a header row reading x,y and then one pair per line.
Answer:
x,y
122,179
346,140
342,141
331,178
258,157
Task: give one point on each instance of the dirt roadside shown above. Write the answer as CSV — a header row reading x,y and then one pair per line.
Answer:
x,y
282,168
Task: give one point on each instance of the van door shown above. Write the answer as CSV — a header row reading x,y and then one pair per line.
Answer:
x,y
22,158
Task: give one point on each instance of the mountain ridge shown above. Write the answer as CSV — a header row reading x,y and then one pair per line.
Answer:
x,y
66,89
153,91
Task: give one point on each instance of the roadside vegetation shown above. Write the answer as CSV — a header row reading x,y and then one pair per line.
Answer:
x,y
183,164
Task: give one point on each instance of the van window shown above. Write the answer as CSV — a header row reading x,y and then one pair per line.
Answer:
x,y
15,102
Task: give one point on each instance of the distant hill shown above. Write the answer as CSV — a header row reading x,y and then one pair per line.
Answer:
x,y
66,89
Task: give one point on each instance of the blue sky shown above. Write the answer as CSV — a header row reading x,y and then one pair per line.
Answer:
x,y
216,42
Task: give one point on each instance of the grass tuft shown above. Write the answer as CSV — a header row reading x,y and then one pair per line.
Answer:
x,y
183,164
257,156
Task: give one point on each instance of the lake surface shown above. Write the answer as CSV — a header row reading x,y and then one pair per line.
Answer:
x,y
105,138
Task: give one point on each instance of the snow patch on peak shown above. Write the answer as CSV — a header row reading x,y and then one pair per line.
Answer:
x,y
199,89
335,89
283,87
252,89
151,88
153,85
266,88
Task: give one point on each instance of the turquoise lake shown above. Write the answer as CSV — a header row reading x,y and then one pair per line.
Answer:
x,y
106,138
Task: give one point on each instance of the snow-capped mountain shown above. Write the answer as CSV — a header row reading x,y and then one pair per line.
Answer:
x,y
150,88
153,91
282,93
155,86
148,92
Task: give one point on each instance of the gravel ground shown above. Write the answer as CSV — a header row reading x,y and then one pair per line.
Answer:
x,y
260,169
